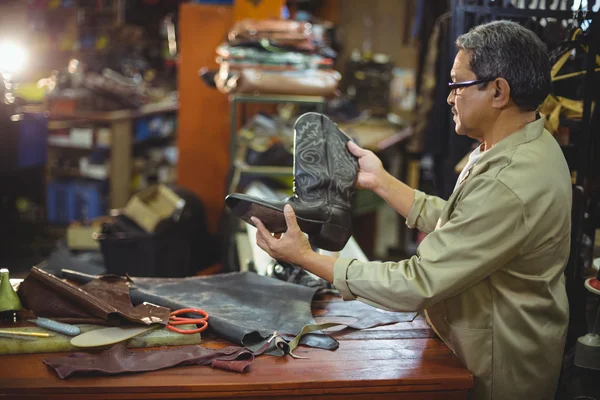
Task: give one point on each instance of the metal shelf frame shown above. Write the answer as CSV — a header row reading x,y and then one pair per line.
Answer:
x,y
238,167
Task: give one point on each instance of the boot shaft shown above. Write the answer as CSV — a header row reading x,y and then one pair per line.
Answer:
x,y
343,167
311,176
325,171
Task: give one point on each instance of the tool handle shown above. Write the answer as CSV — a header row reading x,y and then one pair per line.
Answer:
x,y
11,336
59,327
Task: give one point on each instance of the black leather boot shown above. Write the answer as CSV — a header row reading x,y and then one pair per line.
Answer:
x,y
325,174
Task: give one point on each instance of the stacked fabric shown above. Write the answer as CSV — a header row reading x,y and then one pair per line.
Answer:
x,y
274,57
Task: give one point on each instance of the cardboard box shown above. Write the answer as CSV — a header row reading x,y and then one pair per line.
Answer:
x,y
81,236
150,207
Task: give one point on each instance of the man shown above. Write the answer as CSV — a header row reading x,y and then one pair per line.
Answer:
x,y
490,271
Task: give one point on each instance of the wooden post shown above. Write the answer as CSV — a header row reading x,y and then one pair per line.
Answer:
x,y
257,9
120,162
203,131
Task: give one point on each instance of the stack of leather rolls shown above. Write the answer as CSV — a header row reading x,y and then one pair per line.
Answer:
x,y
274,57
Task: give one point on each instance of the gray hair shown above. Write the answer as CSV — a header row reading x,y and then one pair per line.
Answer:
x,y
505,49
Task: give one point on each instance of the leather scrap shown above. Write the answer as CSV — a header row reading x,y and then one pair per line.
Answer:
x,y
105,299
291,346
366,315
120,360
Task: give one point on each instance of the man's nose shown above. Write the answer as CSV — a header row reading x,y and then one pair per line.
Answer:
x,y
450,98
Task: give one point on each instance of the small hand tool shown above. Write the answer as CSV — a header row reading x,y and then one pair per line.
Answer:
x,y
70,330
23,333
11,336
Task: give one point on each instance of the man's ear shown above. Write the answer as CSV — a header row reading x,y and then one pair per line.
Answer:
x,y
501,93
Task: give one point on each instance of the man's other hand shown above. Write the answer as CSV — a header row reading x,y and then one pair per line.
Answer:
x,y
292,246
371,171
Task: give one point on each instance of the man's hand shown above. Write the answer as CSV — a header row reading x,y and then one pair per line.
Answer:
x,y
371,172
292,246
372,176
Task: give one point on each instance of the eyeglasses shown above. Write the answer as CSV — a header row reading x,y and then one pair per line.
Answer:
x,y
457,85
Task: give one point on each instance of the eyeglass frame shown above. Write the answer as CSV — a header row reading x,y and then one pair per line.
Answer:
x,y
458,85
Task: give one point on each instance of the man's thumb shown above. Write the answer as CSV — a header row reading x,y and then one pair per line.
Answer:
x,y
356,149
290,218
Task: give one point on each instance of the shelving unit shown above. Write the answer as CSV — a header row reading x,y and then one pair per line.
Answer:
x,y
121,125
238,166
234,100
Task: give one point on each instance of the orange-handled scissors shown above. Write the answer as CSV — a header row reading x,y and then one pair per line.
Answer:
x,y
175,320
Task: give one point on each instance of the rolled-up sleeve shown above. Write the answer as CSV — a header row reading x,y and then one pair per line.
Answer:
x,y
484,232
425,212
340,272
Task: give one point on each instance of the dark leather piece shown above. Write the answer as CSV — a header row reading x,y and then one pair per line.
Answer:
x,y
106,298
366,316
319,341
244,308
119,360
324,182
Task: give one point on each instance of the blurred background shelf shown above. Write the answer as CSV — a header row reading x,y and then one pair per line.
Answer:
x,y
119,144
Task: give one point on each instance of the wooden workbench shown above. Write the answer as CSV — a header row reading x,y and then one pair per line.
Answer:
x,y
400,361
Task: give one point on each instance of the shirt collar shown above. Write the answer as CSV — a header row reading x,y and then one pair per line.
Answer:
x,y
529,132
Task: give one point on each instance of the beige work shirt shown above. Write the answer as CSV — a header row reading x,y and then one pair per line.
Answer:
x,y
490,272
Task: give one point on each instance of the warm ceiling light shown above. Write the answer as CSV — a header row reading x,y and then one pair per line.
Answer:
x,y
12,57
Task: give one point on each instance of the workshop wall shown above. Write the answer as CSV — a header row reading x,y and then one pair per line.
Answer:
x,y
387,24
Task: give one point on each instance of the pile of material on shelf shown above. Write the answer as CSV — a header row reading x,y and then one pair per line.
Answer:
x,y
274,57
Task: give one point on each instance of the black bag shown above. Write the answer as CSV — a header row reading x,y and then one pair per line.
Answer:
x,y
179,248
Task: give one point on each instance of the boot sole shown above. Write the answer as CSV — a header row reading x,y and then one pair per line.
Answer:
x,y
271,217
322,234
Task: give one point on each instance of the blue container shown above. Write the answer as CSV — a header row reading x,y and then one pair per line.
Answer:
x,y
86,201
142,130
74,201
58,202
33,140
